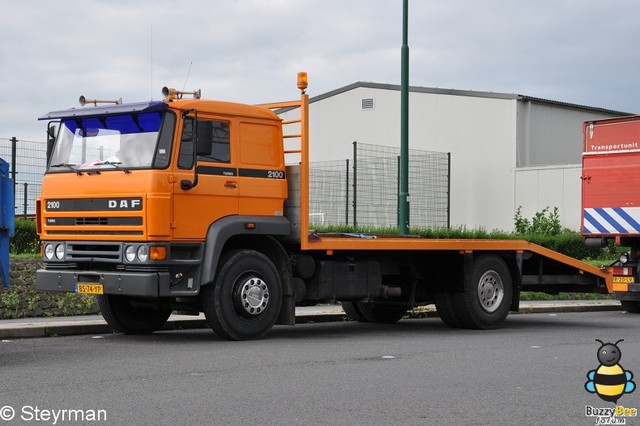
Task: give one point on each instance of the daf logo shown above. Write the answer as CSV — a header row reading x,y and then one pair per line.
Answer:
x,y
125,204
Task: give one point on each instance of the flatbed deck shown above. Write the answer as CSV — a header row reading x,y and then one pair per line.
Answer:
x,y
334,242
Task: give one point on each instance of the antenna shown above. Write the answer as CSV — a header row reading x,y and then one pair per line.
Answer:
x,y
187,77
151,65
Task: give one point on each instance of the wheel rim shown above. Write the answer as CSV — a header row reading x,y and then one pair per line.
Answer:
x,y
251,297
490,291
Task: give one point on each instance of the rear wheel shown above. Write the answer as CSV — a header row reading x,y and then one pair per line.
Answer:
x,y
381,313
487,295
244,301
630,306
352,311
131,315
446,311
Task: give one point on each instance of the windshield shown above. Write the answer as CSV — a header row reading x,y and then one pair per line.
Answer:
x,y
113,142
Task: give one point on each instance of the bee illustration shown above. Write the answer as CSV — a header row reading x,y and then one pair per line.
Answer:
x,y
609,381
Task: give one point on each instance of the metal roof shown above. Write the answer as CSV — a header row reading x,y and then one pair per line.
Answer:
x,y
468,93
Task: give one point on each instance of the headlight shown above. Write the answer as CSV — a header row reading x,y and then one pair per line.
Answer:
x,y
624,258
60,251
143,254
49,251
130,253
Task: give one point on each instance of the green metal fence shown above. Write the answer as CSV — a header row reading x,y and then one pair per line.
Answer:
x,y
363,190
27,160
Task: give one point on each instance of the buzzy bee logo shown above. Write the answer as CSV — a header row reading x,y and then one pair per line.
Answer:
x,y
610,381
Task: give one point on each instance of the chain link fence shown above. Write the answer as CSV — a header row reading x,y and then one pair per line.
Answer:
x,y
364,190
27,160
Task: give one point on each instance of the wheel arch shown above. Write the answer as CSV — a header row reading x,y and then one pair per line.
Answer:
x,y
234,232
229,229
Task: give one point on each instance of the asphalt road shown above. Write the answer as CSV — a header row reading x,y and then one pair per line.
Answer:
x,y
416,372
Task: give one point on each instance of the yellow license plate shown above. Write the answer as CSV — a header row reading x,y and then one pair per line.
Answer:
x,y
626,280
84,288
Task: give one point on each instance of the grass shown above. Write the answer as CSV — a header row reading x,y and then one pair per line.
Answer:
x,y
526,296
441,233
26,256
566,242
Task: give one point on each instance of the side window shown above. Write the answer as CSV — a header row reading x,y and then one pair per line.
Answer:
x,y
185,156
219,141
212,144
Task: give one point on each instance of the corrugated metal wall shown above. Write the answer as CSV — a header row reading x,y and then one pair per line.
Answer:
x,y
551,134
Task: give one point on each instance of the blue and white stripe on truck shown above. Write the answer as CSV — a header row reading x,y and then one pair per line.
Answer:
x,y
611,220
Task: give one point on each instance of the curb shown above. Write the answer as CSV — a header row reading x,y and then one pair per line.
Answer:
x,y
70,326
67,326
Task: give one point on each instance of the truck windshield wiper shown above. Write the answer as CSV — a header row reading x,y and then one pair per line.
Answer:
x,y
68,166
115,164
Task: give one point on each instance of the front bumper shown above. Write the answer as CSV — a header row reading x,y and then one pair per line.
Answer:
x,y
141,284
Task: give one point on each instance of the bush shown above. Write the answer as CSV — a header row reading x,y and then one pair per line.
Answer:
x,y
544,222
544,229
25,239
568,242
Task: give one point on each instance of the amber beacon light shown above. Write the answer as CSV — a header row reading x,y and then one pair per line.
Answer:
x,y
303,82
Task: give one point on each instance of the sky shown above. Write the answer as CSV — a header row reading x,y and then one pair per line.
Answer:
x,y
578,51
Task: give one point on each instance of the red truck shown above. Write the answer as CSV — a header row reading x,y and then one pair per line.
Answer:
x,y
611,197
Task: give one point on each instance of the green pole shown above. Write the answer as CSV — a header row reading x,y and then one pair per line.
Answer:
x,y
403,195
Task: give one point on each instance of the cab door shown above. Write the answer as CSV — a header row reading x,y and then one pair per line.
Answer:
x,y
210,192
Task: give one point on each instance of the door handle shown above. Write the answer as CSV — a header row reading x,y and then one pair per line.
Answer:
x,y
230,184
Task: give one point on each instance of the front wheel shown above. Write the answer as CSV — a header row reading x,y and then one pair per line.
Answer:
x,y
487,295
131,315
244,301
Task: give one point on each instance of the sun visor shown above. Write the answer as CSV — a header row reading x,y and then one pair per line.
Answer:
x,y
139,107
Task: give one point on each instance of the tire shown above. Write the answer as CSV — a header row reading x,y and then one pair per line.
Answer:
x,y
124,315
487,296
244,301
352,311
446,311
630,306
380,313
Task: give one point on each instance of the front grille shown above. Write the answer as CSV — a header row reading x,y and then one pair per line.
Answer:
x,y
93,225
112,221
94,252
92,221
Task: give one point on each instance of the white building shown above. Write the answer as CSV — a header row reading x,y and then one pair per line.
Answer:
x,y
506,150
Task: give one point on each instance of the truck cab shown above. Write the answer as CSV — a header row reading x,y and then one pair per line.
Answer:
x,y
138,201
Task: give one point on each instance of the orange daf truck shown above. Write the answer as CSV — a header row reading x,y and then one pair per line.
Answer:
x,y
188,205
